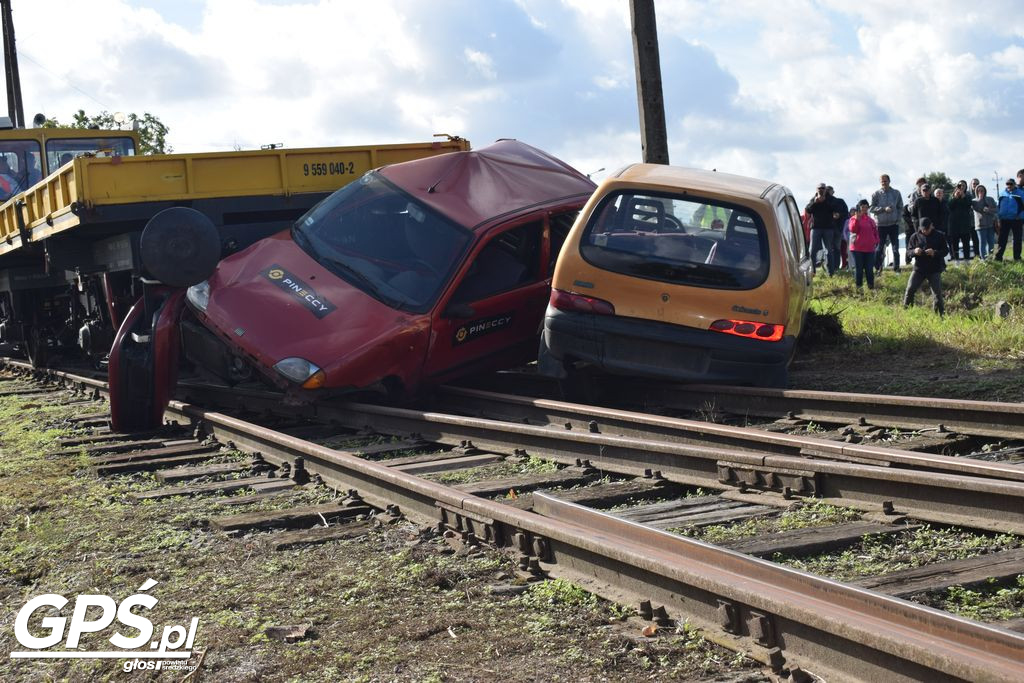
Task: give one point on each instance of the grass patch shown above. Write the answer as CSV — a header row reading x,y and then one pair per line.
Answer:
x,y
506,468
989,603
876,555
971,352
389,606
803,515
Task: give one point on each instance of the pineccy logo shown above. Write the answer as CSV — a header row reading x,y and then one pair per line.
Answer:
x,y
275,274
174,643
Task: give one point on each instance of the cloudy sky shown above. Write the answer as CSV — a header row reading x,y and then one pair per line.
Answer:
x,y
795,91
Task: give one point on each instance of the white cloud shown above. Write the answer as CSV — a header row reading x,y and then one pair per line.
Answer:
x,y
793,91
482,62
1012,62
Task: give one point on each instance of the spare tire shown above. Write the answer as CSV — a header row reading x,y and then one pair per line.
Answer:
x,y
180,247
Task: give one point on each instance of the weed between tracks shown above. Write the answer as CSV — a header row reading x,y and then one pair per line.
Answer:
x,y
991,603
876,555
506,468
801,516
393,605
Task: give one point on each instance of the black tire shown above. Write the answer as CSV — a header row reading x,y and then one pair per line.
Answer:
x,y
580,385
133,393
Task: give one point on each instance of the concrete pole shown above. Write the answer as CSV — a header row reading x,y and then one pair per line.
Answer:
x,y
650,102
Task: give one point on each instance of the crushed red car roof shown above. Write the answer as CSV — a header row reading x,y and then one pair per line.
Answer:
x,y
472,188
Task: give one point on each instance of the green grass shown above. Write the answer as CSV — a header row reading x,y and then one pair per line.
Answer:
x,y
803,515
397,604
988,603
971,352
876,555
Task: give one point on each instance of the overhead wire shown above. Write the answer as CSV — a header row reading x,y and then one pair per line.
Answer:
x,y
67,81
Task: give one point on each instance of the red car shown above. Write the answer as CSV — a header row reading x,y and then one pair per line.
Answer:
x,y
417,273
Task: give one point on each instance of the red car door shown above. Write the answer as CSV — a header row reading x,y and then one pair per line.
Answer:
x,y
490,318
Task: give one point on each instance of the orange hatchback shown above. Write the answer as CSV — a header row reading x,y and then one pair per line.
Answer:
x,y
680,274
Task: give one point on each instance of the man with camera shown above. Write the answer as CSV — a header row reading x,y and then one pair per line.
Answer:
x,y
928,248
820,209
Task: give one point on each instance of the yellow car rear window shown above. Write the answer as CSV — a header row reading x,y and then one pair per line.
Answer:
x,y
681,240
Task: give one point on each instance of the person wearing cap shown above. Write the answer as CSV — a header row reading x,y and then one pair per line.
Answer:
x,y
909,221
928,248
886,207
820,209
1011,217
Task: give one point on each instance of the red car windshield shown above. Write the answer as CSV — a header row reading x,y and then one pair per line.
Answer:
x,y
384,242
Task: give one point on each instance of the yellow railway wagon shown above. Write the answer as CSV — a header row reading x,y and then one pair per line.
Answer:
x,y
70,263
77,192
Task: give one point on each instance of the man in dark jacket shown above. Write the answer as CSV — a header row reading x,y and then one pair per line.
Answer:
x,y
928,248
820,210
840,214
927,206
909,219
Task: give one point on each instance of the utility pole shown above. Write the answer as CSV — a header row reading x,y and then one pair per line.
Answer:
x,y
651,103
14,106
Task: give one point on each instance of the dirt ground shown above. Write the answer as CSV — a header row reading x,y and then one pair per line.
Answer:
x,y
849,364
396,604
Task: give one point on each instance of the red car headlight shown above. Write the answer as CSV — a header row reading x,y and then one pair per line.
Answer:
x,y
301,371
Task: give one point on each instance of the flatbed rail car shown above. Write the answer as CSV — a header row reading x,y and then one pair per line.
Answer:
x,y
69,245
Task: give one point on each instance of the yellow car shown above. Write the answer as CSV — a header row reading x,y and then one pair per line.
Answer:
x,y
680,274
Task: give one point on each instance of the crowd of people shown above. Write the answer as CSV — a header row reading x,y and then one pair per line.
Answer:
x,y
966,224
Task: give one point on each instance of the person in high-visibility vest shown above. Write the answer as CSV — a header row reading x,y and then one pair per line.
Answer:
x,y
706,214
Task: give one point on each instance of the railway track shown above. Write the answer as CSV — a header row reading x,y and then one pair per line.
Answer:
x,y
799,625
981,418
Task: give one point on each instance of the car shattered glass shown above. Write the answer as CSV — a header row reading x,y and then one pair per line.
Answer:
x,y
687,241
384,242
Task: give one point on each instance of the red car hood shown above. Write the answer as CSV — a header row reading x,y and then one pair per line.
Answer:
x,y
274,302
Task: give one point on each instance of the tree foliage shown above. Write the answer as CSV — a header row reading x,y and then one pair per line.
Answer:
x,y
152,131
939,179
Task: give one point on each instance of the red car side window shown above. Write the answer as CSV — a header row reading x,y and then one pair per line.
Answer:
x,y
510,259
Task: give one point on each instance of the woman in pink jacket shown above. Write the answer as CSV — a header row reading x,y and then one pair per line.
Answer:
x,y
863,242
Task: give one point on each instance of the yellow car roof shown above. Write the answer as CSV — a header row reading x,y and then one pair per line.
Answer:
x,y
678,178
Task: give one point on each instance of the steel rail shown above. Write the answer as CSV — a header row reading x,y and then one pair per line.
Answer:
x,y
514,408
792,621
799,623
984,418
783,607
940,497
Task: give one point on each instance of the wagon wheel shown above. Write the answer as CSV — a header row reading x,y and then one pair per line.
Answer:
x,y
35,348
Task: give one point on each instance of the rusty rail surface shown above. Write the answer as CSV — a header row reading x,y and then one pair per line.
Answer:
x,y
869,636
983,418
647,426
940,497
794,622
949,497
998,419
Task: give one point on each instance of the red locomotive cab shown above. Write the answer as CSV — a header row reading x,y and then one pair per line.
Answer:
x,y
416,274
